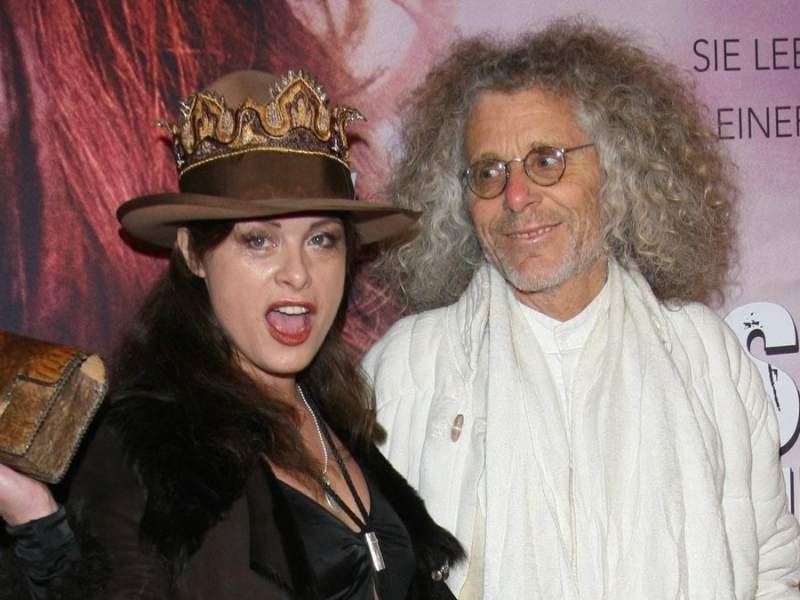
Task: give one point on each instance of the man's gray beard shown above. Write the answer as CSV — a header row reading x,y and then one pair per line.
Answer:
x,y
579,260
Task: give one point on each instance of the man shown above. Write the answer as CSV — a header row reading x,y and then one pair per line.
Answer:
x,y
569,408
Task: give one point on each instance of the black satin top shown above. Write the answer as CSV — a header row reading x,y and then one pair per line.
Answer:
x,y
339,557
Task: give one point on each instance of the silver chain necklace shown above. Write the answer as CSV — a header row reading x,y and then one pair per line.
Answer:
x,y
331,497
326,483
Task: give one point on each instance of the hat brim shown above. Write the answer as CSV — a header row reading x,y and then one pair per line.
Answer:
x,y
155,218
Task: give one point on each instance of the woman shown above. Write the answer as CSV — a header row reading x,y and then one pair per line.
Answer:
x,y
237,458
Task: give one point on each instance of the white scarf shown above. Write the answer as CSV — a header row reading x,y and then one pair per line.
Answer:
x,y
631,510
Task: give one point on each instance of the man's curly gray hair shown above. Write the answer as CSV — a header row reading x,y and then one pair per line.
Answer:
x,y
667,201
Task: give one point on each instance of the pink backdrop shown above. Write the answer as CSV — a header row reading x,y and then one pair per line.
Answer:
x,y
82,83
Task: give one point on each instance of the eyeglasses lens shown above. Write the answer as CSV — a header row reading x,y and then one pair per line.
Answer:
x,y
545,165
488,178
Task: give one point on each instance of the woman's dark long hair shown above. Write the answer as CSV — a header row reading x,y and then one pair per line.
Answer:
x,y
176,352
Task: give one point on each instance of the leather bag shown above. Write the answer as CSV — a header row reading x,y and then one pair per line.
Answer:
x,y
49,394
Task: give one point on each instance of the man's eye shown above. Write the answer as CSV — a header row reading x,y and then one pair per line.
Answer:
x,y
544,160
488,172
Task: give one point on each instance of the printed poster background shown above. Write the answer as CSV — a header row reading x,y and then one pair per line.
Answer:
x,y
83,83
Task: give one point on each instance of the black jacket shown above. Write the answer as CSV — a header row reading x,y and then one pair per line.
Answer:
x,y
175,521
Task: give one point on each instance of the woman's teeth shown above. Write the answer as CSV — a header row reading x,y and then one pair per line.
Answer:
x,y
292,310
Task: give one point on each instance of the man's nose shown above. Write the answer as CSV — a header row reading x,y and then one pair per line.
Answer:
x,y
520,191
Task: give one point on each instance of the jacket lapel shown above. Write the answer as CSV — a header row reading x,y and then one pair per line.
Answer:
x,y
276,551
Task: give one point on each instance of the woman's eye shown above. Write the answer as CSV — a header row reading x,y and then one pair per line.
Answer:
x,y
256,241
324,239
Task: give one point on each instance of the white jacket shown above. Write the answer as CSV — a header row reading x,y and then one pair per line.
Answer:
x,y
670,488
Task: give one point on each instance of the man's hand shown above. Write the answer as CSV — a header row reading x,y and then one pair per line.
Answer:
x,y
23,499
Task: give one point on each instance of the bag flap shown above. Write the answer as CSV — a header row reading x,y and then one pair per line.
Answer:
x,y
32,372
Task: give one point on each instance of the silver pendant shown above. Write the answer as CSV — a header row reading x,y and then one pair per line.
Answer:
x,y
330,500
332,503
374,548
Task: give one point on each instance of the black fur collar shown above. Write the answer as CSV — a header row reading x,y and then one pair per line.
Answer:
x,y
191,484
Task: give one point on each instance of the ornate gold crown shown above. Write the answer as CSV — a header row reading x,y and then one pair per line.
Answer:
x,y
296,119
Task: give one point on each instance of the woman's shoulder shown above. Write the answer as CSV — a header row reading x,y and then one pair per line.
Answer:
x,y
112,455
102,477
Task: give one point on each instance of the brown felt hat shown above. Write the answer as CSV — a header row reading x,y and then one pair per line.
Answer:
x,y
254,145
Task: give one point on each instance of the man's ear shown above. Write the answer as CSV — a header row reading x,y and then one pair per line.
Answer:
x,y
182,240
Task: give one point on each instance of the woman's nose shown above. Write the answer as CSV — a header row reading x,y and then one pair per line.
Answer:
x,y
293,270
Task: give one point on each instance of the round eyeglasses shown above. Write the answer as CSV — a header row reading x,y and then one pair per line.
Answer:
x,y
544,165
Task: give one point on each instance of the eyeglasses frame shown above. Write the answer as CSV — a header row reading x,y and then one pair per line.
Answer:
x,y
560,152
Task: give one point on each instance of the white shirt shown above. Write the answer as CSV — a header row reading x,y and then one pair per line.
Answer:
x,y
562,341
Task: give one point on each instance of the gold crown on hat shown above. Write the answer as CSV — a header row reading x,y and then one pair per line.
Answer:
x,y
296,119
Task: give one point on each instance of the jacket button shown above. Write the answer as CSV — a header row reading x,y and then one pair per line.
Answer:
x,y
455,431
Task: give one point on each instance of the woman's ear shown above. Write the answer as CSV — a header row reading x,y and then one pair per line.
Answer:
x,y
182,240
